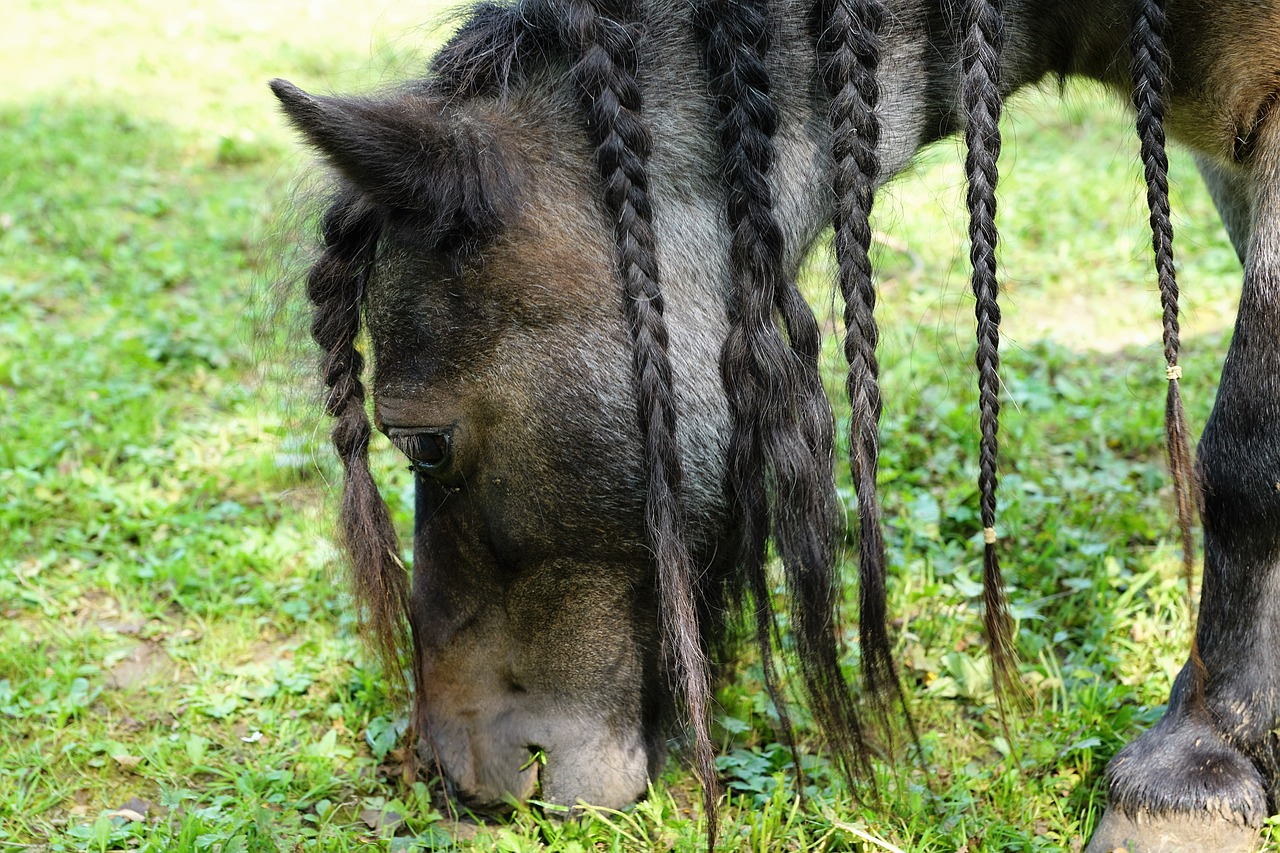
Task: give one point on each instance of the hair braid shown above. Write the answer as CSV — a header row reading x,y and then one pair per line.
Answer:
x,y
782,436
335,287
983,100
604,38
1150,64
849,44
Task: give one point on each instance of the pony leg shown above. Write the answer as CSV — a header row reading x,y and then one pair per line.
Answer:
x,y
1207,774
1229,188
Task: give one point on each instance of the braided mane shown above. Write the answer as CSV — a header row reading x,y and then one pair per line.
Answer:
x,y
1150,70
781,448
603,35
982,100
849,44
335,288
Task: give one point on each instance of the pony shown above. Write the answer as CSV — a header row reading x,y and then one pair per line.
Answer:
x,y
574,246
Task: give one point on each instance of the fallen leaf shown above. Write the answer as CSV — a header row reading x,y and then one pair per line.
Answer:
x,y
381,821
137,804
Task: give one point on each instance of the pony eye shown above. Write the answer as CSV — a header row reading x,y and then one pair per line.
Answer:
x,y
428,450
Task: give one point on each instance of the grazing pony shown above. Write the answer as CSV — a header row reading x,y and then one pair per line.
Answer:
x,y
574,247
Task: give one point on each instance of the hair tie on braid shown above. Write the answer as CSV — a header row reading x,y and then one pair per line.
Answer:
x,y
989,535
1173,373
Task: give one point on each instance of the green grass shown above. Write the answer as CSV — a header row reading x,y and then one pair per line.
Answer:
x,y
179,668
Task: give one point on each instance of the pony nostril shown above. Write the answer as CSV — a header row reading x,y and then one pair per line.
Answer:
x,y
536,763
537,756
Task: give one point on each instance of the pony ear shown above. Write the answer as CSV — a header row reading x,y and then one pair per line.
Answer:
x,y
408,152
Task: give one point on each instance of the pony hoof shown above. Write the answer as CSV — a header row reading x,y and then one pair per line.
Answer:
x,y
1181,788
1171,833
